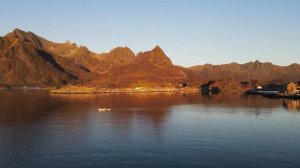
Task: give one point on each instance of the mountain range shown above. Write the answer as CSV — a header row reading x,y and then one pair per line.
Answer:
x,y
27,59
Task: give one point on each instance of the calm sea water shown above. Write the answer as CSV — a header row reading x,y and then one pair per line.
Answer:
x,y
147,130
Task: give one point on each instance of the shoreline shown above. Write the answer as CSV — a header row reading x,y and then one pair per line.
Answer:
x,y
94,90
27,88
71,89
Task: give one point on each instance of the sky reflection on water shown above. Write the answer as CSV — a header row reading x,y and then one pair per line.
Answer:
x,y
149,130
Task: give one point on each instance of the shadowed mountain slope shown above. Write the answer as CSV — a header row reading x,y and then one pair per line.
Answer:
x,y
24,62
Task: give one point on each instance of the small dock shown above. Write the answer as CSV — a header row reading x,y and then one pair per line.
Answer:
x,y
283,95
286,91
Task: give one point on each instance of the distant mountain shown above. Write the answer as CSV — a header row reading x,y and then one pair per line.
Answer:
x,y
30,60
251,70
151,68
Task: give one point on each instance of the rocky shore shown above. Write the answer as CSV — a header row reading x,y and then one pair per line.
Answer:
x,y
95,90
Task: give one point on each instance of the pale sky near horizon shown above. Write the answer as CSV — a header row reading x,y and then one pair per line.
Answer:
x,y
191,32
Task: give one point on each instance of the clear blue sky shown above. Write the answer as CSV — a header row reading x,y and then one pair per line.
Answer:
x,y
189,31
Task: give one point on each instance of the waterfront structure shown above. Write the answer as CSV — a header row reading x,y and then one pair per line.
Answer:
x,y
292,88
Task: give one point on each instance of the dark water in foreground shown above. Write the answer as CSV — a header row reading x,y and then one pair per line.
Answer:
x,y
147,130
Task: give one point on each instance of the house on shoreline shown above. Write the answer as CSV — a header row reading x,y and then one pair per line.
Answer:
x,y
292,88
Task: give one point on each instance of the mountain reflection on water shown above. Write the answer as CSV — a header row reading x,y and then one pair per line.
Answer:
x,y
27,106
291,105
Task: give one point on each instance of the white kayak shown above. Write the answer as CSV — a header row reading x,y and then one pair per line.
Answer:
x,y
104,109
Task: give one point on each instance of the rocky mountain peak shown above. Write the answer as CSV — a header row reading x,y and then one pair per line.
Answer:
x,y
28,37
122,50
158,51
120,55
156,56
